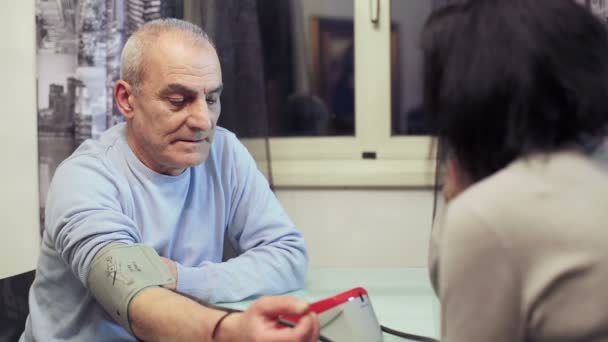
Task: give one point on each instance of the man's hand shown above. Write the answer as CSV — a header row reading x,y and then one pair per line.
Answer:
x,y
259,322
173,269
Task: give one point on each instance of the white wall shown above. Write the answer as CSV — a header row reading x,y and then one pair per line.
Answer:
x,y
365,228
18,141
378,228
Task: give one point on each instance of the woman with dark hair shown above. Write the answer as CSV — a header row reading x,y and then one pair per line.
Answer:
x,y
518,91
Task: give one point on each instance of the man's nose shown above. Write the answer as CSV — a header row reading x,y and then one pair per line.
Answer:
x,y
200,116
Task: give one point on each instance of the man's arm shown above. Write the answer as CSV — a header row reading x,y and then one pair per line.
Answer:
x,y
154,313
158,314
84,216
273,257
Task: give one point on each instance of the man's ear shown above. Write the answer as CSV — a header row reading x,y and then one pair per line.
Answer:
x,y
123,95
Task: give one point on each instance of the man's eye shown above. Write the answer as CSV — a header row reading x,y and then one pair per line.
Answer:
x,y
177,101
211,100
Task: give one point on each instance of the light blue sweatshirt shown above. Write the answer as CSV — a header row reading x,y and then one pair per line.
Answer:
x,y
103,193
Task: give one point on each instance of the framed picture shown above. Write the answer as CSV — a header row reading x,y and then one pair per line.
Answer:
x,y
332,52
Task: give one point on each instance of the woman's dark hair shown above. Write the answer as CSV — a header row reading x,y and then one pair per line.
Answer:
x,y
506,78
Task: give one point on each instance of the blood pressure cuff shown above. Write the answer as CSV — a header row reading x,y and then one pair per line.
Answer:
x,y
119,271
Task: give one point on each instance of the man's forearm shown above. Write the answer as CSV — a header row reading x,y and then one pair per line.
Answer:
x,y
263,271
158,314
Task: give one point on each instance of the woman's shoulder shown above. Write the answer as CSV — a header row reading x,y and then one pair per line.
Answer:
x,y
534,190
537,175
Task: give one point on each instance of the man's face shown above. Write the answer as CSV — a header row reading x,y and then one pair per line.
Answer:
x,y
176,111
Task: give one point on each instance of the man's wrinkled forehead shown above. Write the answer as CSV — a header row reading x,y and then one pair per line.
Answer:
x,y
178,54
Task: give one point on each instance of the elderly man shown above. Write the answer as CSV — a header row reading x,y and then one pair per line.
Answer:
x,y
136,221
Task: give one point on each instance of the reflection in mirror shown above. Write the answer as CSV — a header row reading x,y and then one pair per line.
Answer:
x,y
288,66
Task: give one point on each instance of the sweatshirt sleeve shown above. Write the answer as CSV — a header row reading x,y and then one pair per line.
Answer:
x,y
272,253
84,213
478,283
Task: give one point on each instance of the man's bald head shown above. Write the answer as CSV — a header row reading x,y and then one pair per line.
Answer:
x,y
133,63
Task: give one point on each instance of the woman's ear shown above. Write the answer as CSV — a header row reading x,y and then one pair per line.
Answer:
x,y
123,95
456,180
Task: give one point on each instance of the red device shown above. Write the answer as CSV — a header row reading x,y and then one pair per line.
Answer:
x,y
347,316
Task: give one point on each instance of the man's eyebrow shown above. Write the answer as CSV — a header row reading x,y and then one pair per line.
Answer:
x,y
173,88
216,90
